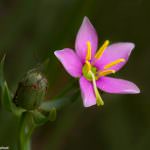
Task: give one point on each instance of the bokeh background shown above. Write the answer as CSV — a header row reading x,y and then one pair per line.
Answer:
x,y
31,30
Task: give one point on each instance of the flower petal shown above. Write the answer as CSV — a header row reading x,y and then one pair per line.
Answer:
x,y
114,52
86,33
87,92
70,61
119,86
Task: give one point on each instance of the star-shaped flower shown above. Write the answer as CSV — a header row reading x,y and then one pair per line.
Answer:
x,y
92,66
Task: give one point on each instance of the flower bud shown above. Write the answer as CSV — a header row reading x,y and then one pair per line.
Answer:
x,y
31,91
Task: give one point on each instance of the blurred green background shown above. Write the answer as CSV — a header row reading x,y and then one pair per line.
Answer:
x,y
31,30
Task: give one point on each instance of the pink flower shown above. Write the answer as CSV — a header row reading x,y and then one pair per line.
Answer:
x,y
91,65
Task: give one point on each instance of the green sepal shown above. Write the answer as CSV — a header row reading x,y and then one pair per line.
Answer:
x,y
52,114
39,118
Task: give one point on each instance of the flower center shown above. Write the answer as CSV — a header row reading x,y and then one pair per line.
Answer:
x,y
86,70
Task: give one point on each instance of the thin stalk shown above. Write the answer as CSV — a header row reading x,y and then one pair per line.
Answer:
x,y
25,132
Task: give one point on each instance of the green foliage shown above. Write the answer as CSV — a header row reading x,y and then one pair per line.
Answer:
x,y
7,100
6,95
31,116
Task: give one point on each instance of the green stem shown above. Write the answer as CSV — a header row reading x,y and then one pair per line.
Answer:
x,y
59,102
25,132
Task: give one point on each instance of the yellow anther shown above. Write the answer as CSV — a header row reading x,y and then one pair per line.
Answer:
x,y
105,72
102,49
88,55
113,63
88,66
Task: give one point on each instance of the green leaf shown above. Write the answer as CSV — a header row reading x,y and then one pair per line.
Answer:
x,y
2,72
6,94
6,98
7,101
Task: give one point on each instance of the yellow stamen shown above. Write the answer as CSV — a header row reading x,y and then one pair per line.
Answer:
x,y
102,49
114,63
88,55
105,72
88,66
